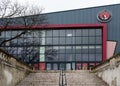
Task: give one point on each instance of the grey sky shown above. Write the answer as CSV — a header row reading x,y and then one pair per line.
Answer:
x,y
61,5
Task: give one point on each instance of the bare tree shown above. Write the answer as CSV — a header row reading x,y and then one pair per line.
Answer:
x,y
12,13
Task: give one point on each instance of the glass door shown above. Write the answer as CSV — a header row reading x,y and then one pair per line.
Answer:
x,y
68,66
55,66
49,66
62,66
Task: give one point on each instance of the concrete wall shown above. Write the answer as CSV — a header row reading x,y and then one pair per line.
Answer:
x,y
12,70
109,71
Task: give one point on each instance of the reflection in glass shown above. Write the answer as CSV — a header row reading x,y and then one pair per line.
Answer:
x,y
91,40
62,40
78,32
55,41
98,57
85,57
49,67
98,32
98,49
91,32
79,57
68,66
55,33
85,32
91,57
98,40
48,33
48,41
78,40
69,57
62,32
55,66
78,49
84,40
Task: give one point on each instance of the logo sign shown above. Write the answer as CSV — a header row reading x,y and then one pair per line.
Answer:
x,y
104,16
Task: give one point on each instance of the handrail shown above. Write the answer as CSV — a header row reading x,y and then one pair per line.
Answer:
x,y
62,78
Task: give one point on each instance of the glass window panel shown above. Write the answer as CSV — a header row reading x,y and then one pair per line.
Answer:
x,y
91,49
73,66
42,33
49,41
28,41
36,41
62,32
68,40
62,40
62,57
55,40
78,49
20,41
37,33
69,49
51,53
78,57
68,66
14,42
98,40
84,57
85,40
42,40
42,50
91,57
48,33
98,49
85,32
8,34
55,33
51,57
56,49
2,34
69,57
14,33
78,40
62,49
74,49
70,33
49,67
55,66
98,57
85,49
78,33
91,32
98,32
91,40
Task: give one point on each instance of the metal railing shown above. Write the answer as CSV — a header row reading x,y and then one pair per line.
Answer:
x,y
62,78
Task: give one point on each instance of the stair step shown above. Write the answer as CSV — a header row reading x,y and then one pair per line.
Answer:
x,y
51,78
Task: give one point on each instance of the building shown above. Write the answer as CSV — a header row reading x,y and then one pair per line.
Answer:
x,y
73,40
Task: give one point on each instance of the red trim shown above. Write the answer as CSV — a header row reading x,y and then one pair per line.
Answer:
x,y
104,51
53,26
42,66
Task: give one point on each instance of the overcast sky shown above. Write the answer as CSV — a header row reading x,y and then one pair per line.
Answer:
x,y
61,5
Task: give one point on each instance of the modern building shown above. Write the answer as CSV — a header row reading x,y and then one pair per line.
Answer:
x,y
73,40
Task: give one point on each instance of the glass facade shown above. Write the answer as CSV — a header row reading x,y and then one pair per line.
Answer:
x,y
56,48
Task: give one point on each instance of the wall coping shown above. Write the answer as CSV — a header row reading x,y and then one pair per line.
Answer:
x,y
117,56
11,56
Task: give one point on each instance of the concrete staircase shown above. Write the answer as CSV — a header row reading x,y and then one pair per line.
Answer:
x,y
51,78
83,78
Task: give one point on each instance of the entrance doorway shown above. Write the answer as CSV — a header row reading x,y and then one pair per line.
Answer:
x,y
59,66
82,66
